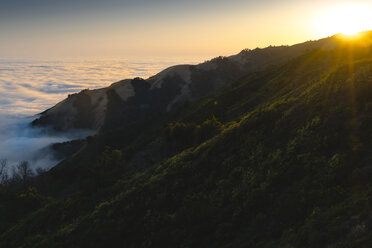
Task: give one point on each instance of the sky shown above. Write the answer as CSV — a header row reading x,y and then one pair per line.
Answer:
x,y
153,28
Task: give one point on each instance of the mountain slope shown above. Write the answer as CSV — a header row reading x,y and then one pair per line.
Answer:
x,y
132,100
279,158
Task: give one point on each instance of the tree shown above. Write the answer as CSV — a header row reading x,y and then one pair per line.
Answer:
x,y
23,172
3,170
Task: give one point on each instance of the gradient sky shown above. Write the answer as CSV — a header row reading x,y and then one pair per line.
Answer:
x,y
150,28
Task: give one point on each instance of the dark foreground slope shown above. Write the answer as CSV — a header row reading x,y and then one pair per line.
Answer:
x,y
278,158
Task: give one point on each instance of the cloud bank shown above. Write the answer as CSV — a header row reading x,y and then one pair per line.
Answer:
x,y
28,87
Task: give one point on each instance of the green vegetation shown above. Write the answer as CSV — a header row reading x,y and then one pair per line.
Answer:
x,y
278,158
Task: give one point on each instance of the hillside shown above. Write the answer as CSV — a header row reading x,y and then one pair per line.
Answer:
x,y
277,157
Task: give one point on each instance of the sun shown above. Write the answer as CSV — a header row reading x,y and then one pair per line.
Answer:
x,y
348,19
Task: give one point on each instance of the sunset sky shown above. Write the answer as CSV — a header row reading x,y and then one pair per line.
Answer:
x,y
149,28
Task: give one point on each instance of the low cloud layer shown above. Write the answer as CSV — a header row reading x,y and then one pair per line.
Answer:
x,y
28,87
19,141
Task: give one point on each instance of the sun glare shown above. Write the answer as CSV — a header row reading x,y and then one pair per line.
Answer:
x,y
347,19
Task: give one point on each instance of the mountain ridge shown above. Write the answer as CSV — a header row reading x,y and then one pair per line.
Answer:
x,y
182,83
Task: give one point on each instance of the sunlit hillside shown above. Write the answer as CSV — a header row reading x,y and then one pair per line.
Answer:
x,y
277,157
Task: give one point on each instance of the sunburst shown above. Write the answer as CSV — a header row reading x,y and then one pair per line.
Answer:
x,y
347,19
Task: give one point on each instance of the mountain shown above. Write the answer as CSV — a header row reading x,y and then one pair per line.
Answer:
x,y
279,157
131,100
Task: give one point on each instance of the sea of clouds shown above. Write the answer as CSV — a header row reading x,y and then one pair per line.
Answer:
x,y
29,86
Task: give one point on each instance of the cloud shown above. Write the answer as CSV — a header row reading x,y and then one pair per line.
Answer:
x,y
19,141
